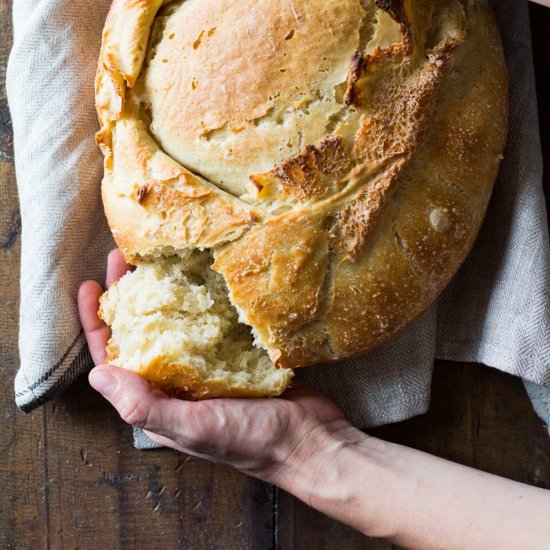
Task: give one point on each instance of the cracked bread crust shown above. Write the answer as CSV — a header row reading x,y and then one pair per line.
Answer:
x,y
339,186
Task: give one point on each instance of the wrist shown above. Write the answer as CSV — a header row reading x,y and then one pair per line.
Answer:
x,y
333,469
296,466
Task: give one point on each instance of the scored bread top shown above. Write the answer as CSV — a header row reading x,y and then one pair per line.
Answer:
x,y
229,95
336,156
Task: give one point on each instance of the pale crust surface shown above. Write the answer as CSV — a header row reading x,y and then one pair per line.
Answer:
x,y
336,156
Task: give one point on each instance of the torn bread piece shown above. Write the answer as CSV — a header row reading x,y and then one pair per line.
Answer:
x,y
172,323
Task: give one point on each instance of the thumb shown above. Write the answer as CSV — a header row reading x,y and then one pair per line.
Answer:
x,y
137,403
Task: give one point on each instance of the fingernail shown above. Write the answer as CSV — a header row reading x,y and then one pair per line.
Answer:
x,y
103,381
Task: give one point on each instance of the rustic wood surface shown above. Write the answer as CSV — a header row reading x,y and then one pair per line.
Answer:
x,y
69,477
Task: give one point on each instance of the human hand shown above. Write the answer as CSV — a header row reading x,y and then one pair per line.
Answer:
x,y
265,438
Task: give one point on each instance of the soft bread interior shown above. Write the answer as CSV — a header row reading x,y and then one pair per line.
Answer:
x,y
172,321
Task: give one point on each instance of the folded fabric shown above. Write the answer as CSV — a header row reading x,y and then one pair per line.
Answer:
x,y
496,310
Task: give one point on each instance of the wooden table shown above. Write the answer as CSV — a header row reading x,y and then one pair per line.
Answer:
x,y
69,477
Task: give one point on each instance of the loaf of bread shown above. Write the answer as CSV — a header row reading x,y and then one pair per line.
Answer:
x,y
296,181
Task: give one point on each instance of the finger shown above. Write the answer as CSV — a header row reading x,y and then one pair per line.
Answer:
x,y
116,267
142,406
96,331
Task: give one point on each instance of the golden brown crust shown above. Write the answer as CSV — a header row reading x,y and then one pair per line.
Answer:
x,y
278,286
351,233
151,201
397,241
315,171
184,382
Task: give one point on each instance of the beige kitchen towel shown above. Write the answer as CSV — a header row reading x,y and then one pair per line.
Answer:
x,y
496,310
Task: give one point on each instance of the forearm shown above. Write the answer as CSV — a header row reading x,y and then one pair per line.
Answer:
x,y
415,499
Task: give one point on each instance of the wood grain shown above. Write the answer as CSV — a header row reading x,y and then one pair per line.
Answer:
x,y
124,498
70,478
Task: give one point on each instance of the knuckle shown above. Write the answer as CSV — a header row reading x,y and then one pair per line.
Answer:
x,y
133,412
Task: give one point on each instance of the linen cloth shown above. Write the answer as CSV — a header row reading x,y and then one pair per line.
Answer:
x,y
496,310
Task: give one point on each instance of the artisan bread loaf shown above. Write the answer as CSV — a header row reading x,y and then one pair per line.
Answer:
x,y
295,181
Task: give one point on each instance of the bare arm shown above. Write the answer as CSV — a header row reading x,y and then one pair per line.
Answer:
x,y
415,499
303,443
